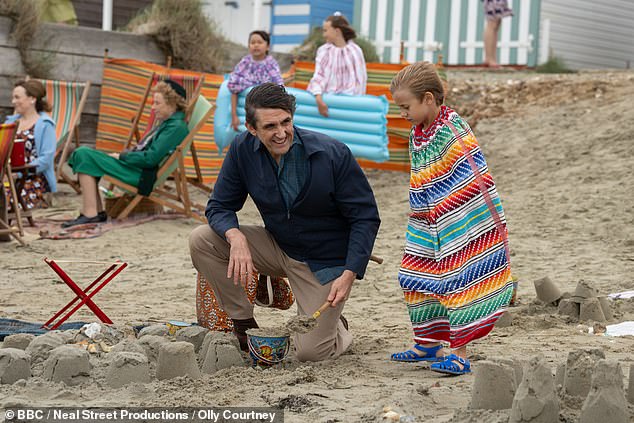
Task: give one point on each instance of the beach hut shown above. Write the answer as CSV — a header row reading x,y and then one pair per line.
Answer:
x,y
292,20
587,34
453,28
235,19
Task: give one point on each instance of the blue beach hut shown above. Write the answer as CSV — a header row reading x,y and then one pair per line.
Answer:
x,y
292,20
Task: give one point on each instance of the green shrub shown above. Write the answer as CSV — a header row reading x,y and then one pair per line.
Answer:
x,y
26,22
181,30
553,65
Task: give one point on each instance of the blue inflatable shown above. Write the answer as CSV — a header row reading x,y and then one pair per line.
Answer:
x,y
358,121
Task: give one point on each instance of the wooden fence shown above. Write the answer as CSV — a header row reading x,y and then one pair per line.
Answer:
x,y
76,54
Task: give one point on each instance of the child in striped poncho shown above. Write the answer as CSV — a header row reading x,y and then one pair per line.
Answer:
x,y
455,273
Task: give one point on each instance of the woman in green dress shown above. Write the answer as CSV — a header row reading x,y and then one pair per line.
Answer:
x,y
137,167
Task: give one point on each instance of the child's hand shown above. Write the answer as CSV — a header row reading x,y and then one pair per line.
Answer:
x,y
322,107
235,122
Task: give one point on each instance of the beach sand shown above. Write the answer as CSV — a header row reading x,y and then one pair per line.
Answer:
x,y
560,149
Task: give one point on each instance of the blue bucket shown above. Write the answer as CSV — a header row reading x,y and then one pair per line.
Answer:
x,y
266,351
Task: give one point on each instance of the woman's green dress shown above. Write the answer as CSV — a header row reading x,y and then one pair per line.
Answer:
x,y
129,166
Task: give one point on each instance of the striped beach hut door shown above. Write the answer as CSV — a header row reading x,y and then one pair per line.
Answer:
x,y
292,20
453,28
290,24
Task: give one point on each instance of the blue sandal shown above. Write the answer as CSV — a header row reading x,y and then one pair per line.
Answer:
x,y
450,365
410,356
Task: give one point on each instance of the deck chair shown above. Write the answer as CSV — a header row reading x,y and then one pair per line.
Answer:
x,y
172,166
192,85
7,134
67,100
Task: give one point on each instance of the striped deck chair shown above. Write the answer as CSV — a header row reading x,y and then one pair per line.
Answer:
x,y
67,100
192,84
379,78
123,88
173,166
7,135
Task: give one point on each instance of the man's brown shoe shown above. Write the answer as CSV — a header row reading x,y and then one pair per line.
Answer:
x,y
240,328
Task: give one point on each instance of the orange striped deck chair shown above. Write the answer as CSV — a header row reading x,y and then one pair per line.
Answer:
x,y
124,86
67,100
192,84
7,135
379,77
173,166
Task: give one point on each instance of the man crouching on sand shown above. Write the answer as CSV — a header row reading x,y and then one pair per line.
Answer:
x,y
320,220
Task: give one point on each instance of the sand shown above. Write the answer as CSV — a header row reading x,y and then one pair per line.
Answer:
x,y
301,324
560,149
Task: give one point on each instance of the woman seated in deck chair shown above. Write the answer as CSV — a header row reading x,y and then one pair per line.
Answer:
x,y
137,167
36,129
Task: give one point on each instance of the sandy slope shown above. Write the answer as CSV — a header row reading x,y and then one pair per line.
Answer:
x,y
561,152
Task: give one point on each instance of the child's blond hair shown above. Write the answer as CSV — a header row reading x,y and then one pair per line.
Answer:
x,y
419,78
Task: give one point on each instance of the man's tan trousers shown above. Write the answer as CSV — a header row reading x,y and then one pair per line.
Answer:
x,y
210,255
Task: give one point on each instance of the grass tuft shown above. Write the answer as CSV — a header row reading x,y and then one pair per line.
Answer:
x,y
553,65
181,30
26,22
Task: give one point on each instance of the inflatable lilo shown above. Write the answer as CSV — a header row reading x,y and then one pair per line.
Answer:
x,y
358,121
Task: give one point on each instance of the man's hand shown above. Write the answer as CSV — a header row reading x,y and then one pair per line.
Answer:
x,y
340,288
114,155
321,106
240,263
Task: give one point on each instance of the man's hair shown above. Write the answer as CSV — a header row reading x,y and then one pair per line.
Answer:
x,y
267,96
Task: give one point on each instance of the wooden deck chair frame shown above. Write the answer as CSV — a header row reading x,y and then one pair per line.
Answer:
x,y
134,134
7,136
72,136
174,166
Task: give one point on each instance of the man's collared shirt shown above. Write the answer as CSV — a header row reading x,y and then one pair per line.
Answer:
x,y
332,223
292,172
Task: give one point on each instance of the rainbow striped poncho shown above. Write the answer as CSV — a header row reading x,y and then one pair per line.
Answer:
x,y
455,272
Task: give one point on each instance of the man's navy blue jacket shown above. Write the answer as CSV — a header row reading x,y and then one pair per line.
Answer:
x,y
333,221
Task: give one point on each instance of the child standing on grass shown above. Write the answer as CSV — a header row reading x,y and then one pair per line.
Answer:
x,y
455,273
255,68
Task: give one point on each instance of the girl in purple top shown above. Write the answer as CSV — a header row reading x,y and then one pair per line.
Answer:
x,y
255,68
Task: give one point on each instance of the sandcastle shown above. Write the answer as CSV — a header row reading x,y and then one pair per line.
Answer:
x,y
591,389
494,386
547,291
68,364
585,304
19,341
177,359
66,357
578,371
606,400
15,364
219,351
127,367
535,400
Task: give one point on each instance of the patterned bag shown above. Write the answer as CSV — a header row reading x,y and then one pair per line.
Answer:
x,y
211,316
275,292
